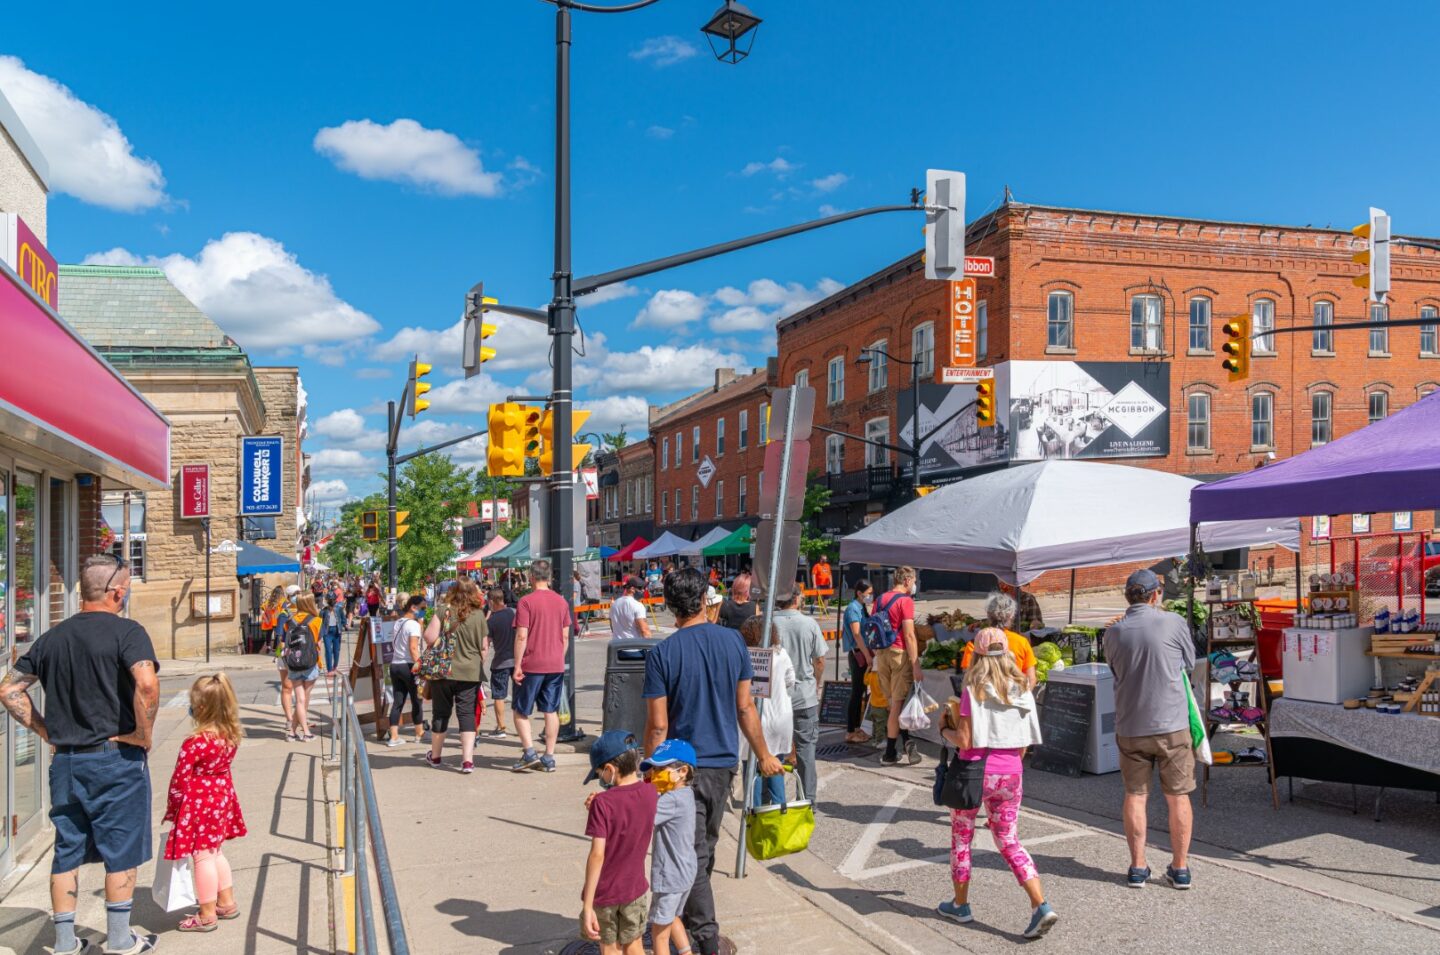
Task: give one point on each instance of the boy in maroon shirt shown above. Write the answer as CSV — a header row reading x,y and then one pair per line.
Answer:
x,y
620,827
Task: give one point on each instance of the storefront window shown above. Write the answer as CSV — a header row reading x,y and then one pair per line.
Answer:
x,y
113,510
5,590
26,629
60,574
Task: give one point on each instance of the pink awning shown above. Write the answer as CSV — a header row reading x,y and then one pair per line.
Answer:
x,y
472,561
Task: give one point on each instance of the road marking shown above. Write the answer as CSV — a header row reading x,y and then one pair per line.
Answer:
x,y
976,846
855,862
180,699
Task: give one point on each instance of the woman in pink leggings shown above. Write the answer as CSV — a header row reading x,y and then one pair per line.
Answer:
x,y
994,719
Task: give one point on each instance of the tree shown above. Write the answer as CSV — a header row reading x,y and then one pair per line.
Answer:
x,y
817,498
344,550
613,440
436,491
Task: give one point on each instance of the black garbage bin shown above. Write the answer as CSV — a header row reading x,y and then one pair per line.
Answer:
x,y
624,707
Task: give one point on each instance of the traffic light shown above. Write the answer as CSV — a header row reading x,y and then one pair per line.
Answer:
x,y
944,224
1237,347
477,330
985,404
417,404
506,455
548,440
1376,255
924,489
369,525
530,429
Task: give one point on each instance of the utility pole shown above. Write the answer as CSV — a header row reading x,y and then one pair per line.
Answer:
x,y
393,564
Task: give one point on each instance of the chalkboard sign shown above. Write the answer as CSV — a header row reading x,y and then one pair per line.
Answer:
x,y
834,708
1065,710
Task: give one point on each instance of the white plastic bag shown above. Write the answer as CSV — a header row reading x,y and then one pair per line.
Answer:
x,y
913,717
174,885
926,700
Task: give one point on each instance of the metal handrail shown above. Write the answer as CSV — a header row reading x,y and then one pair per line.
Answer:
x,y
362,825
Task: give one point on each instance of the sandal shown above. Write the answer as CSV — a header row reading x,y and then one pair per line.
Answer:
x,y
193,923
233,913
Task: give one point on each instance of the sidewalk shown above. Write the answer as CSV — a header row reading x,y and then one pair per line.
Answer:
x,y
280,868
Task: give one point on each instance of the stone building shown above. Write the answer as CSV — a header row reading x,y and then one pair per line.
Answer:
x,y
206,385
636,492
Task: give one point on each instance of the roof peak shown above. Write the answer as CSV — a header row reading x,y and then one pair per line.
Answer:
x,y
114,271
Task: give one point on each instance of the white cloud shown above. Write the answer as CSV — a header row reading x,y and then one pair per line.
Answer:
x,y
468,395
664,51
373,374
608,293
329,492
656,368
826,209
659,132
257,292
745,318
343,460
831,182
670,308
631,412
765,302
519,344
343,425
780,166
405,151
90,158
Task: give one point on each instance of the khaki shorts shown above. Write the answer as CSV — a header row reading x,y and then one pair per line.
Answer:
x,y
621,924
896,675
1170,752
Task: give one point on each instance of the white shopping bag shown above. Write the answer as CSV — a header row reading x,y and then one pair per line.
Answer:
x,y
913,717
174,885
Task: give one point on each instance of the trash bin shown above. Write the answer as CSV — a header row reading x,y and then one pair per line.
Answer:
x,y
1275,616
624,707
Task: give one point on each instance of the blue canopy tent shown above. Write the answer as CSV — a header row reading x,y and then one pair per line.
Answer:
x,y
251,559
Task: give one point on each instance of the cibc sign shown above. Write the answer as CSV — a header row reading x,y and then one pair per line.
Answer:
x,y
24,253
194,491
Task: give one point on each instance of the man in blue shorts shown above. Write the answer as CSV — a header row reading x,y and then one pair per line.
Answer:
x,y
501,638
98,671
542,632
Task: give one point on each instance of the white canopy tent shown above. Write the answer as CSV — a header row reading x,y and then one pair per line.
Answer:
x,y
669,545
1053,515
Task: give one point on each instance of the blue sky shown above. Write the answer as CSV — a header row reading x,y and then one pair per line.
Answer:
x,y
328,187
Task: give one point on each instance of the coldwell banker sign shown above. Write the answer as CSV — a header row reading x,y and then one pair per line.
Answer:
x,y
261,476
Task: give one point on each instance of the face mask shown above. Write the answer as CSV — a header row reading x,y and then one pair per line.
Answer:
x,y
606,783
664,780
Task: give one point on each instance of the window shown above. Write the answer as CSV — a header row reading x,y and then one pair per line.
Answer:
x,y
1060,323
1262,420
1379,337
982,329
802,378
649,495
664,509
1198,411
877,429
1323,314
1262,319
112,508
719,499
679,447
744,429
719,436
1147,323
835,382
1200,324
678,518
1379,405
694,502
879,368
742,501
695,445
763,422
1321,429
834,454
760,485
1427,332
629,498
922,348
664,454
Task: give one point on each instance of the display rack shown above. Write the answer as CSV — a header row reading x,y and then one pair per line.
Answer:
x,y
1231,642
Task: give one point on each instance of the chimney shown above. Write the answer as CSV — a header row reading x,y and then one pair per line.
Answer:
x,y
723,377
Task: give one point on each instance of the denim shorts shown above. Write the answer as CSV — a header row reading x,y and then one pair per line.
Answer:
x,y
100,806
542,690
500,682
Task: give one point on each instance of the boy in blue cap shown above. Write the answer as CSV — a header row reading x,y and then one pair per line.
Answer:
x,y
621,823
672,861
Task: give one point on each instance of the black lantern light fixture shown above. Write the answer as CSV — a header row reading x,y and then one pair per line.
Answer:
x,y
725,29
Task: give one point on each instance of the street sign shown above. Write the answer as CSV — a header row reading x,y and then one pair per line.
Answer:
x,y
786,569
980,266
795,486
960,335
706,471
804,414
963,376
194,491
944,224
262,470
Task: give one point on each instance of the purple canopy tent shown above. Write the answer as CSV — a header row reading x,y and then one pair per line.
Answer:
x,y
1391,465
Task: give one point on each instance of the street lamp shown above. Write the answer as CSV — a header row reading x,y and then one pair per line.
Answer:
x,y
864,358
729,24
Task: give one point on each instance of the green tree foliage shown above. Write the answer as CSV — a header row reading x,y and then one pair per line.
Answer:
x,y
613,440
435,491
817,498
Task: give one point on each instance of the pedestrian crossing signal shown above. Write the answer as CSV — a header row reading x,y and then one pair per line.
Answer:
x,y
985,404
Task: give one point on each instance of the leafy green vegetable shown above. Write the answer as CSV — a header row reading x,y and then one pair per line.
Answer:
x,y
1048,652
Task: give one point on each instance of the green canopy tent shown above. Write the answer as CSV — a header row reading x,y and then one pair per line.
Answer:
x,y
518,548
736,544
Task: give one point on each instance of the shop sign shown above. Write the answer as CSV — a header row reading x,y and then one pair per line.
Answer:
x,y
194,491
262,469
960,376
25,253
960,347
980,266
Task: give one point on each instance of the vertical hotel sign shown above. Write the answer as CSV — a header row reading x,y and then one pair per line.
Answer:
x,y
24,253
194,491
262,471
959,347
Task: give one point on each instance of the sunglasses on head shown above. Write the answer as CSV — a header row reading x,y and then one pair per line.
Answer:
x,y
119,566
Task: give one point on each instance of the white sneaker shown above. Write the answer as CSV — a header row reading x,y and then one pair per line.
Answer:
x,y
394,741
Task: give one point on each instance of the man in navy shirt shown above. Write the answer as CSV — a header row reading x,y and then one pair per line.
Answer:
x,y
697,688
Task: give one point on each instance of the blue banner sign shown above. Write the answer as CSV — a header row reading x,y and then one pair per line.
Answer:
x,y
261,476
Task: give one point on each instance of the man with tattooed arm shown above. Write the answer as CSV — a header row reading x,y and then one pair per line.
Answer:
x,y
99,674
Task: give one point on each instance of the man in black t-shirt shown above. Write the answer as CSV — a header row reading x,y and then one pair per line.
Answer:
x,y
98,671
501,640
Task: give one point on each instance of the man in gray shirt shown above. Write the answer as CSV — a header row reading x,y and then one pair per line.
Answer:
x,y
803,640
1150,653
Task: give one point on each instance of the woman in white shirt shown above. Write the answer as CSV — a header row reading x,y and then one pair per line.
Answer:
x,y
777,714
404,655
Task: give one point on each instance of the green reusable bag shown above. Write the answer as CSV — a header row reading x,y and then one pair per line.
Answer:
x,y
775,831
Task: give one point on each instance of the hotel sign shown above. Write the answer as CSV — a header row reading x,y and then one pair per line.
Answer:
x,y
24,253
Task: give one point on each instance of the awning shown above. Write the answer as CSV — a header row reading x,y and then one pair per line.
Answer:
x,y
253,559
666,545
736,544
628,551
472,561
518,549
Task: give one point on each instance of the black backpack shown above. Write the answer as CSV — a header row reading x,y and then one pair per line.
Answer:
x,y
300,653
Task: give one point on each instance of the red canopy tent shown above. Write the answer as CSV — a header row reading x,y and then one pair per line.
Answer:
x,y
628,551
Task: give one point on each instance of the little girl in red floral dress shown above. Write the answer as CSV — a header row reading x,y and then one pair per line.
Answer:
x,y
202,803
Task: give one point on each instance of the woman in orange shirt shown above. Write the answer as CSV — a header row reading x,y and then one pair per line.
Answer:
x,y
1001,609
307,614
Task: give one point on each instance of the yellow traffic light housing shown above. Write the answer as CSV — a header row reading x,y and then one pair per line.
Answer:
x,y
369,525
506,454
400,526
985,404
1375,256
530,429
1236,348
548,440
417,404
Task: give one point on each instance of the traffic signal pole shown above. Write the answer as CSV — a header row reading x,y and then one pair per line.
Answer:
x,y
393,563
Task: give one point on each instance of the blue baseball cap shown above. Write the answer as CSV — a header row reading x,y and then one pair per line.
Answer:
x,y
1142,583
670,751
609,745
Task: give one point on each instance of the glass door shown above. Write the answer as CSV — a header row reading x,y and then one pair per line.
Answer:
x,y
6,660
26,628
